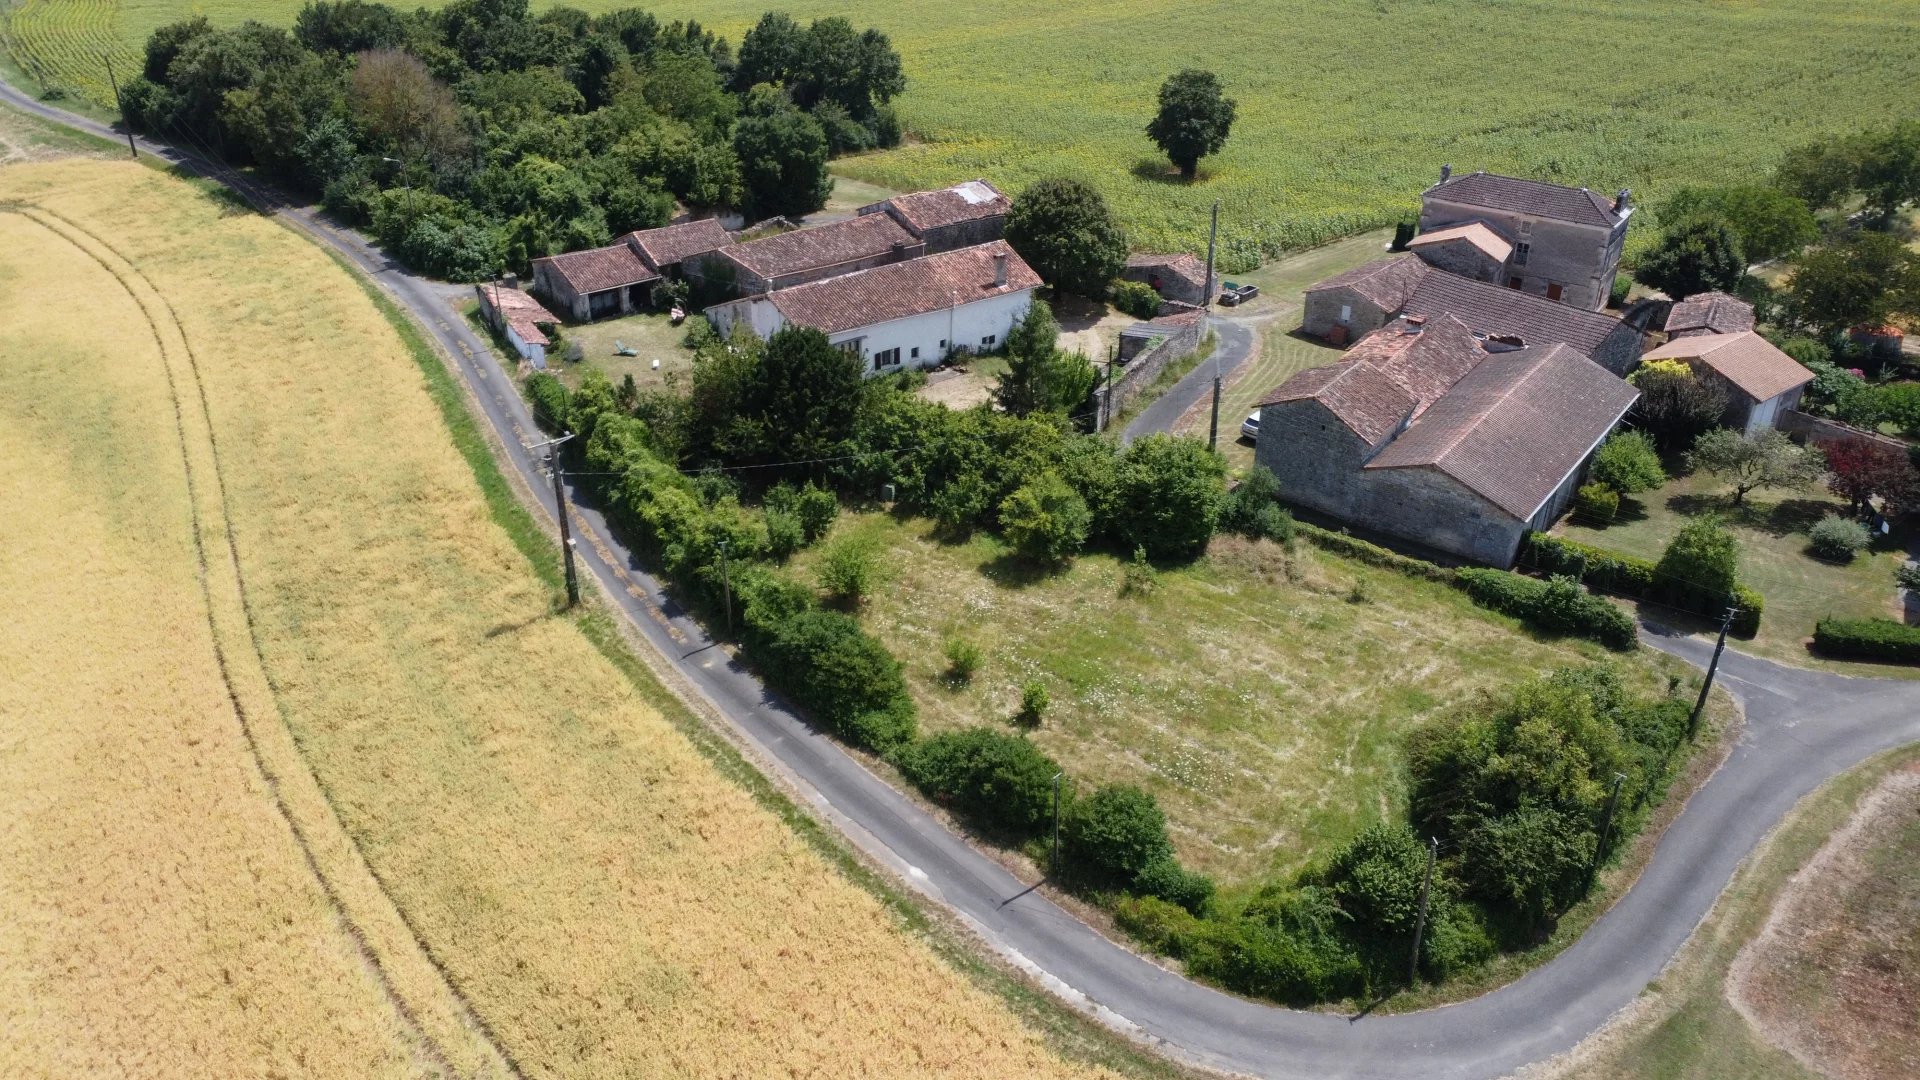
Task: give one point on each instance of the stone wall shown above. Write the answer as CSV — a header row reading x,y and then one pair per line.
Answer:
x,y
1818,429
1145,367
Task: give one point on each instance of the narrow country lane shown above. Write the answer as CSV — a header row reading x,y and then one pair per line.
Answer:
x,y
1802,728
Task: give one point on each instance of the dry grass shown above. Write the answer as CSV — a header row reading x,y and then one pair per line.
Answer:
x,y
1259,700
1834,977
607,902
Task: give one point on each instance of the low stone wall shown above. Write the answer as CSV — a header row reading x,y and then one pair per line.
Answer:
x,y
1145,367
1819,429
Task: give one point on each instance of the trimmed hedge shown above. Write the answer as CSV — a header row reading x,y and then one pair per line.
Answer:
x,y
1560,606
1625,575
997,781
1371,554
1868,639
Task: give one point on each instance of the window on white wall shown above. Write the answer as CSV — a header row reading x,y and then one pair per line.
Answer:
x,y
914,354
1346,313
987,342
886,358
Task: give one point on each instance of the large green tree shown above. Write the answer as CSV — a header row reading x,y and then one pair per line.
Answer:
x,y
1762,459
1863,279
1168,495
1064,230
1194,120
1769,223
783,157
1693,257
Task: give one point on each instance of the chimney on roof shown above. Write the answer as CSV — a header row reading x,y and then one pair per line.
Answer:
x,y
1499,343
999,269
1623,200
511,281
1446,172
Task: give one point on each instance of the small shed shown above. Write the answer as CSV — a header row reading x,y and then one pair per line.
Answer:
x,y
519,318
1763,383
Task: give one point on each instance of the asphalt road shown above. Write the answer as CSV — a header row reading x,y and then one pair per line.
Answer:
x,y
1234,343
1802,728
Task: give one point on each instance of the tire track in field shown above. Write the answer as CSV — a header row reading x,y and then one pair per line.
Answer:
x,y
493,1059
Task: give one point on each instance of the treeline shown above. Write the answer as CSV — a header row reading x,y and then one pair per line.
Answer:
x,y
478,137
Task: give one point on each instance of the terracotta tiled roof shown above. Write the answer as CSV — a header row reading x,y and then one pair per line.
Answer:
x,y
1183,266
903,289
1712,312
1531,197
971,201
522,312
1386,282
1426,358
1365,399
1493,310
599,269
1474,232
666,246
821,246
1746,359
1515,426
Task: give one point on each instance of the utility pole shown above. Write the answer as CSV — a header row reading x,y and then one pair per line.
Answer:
x,y
552,446
118,104
1420,924
726,586
1106,405
1206,307
1606,828
1053,854
1726,623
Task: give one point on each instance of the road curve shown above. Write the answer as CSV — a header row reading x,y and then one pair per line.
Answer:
x,y
1802,728
1233,343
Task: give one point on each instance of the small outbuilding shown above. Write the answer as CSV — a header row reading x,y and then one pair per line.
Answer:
x,y
1349,306
1471,250
1762,382
1180,277
1709,313
519,318
597,282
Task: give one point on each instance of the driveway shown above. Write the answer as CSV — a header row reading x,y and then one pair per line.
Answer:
x,y
1234,342
1802,728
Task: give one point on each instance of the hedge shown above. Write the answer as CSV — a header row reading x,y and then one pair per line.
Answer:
x,y
1559,606
1868,639
1625,575
1371,554
998,781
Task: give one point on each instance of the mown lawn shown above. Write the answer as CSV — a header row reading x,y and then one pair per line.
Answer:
x,y
1260,694
1347,108
1772,528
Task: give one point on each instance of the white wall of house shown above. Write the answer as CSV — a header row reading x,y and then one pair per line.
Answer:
x,y
925,340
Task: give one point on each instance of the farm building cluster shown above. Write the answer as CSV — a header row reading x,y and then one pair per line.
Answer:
x,y
907,282
1484,370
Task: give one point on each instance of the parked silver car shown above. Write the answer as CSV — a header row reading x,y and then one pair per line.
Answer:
x,y
1250,427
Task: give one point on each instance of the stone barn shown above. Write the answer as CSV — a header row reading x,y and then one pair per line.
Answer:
x,y
794,258
1566,241
1424,434
1179,277
960,216
595,283
1352,305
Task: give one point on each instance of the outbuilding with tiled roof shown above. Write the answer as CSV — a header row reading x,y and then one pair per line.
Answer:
x,y
1762,382
963,215
1709,313
794,258
595,283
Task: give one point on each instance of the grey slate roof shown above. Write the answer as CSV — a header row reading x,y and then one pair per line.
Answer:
x,y
1516,425
1531,197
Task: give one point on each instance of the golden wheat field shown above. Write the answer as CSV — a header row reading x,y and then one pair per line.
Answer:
x,y
351,800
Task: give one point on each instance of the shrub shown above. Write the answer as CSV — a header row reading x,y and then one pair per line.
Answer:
x,y
1698,570
840,674
1371,554
1045,520
1868,639
1376,878
1610,571
1166,879
1136,298
1628,463
1746,623
1617,292
1253,508
1161,925
1908,576
963,659
848,567
1558,606
1838,538
1288,947
1457,939
816,508
551,401
1404,231
1138,577
784,534
1113,835
1033,703
1598,503
996,781
1168,495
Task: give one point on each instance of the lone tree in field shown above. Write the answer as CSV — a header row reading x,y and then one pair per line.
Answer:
x,y
1063,229
1194,119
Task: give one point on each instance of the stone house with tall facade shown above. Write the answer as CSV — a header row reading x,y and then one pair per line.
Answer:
x,y
1560,242
1428,432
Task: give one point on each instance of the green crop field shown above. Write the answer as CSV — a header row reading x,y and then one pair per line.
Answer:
x,y
1347,107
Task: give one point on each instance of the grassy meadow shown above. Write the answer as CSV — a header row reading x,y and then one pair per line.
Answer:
x,y
1347,107
548,873
1259,694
